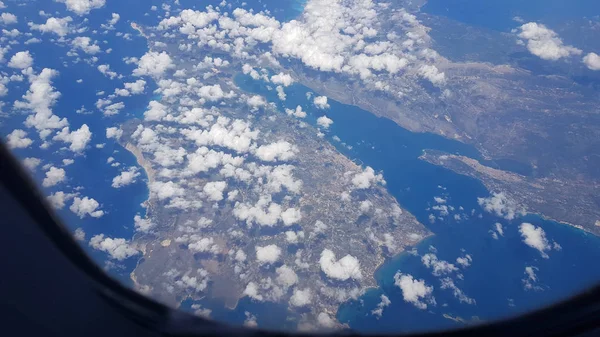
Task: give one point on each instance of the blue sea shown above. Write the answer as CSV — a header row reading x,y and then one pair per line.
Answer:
x,y
493,279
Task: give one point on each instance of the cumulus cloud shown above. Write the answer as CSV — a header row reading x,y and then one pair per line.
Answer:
x,y
343,269
283,79
166,190
535,237
21,60
153,64
324,121
56,26
85,43
545,43
214,190
501,205
82,7
431,73
592,61
155,111
86,207
78,139
113,132
301,298
58,199
268,254
125,178
321,102
414,291
118,249
54,176
296,112
530,281
32,163
291,216
378,312
439,267
281,150
8,19
367,178
136,87
286,276
18,139
252,292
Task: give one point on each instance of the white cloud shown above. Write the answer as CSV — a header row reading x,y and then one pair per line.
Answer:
x,y
439,267
256,101
414,291
286,276
18,139
321,102
501,205
535,237
301,298
326,321
283,79
136,87
366,178
268,254
281,150
592,61
86,206
113,132
214,190
530,281
291,216
464,261
85,43
8,19
156,111
545,43
79,234
58,199
81,7
252,292
119,249
324,121
204,245
153,64
346,268
59,27
54,176
105,70
431,73
448,283
127,177
40,97
166,190
21,60
31,163
78,139
378,312
296,113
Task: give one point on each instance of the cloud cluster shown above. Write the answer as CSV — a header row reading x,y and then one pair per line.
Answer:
x,y
125,178
501,205
414,291
21,60
545,43
54,176
367,178
535,237
85,206
343,269
268,254
118,249
81,7
592,61
153,64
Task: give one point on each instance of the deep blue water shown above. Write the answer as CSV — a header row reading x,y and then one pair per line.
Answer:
x,y
499,14
494,278
498,265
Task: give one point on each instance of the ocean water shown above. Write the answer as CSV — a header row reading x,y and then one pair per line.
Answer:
x,y
494,280
499,14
